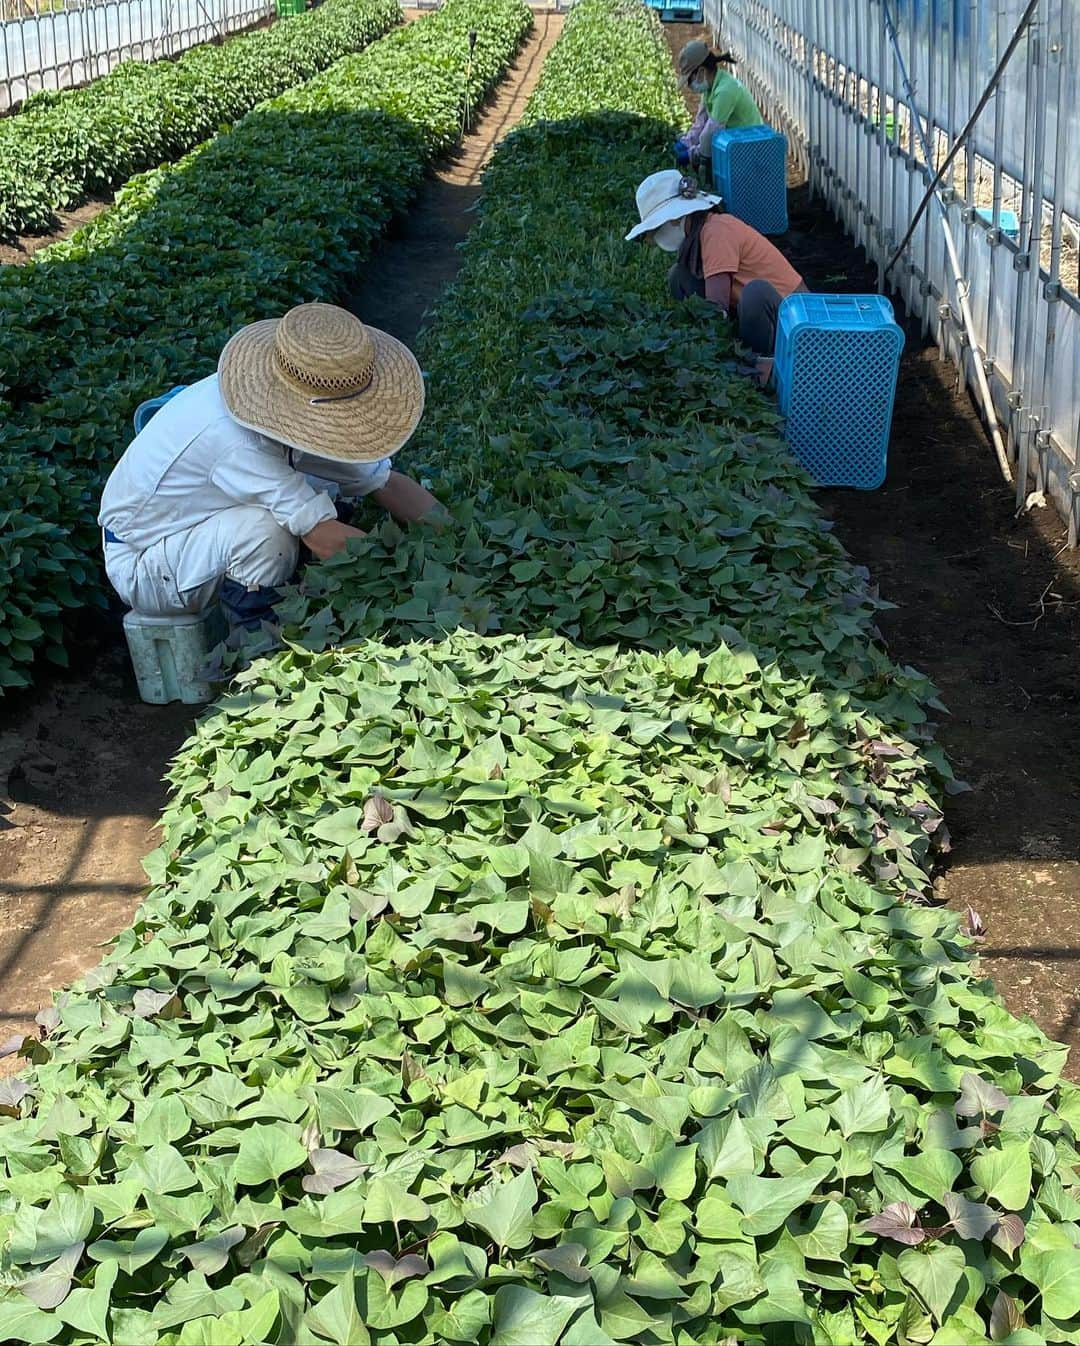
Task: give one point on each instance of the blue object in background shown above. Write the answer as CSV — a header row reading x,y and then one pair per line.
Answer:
x,y
1008,221
146,410
837,362
749,169
676,13
682,154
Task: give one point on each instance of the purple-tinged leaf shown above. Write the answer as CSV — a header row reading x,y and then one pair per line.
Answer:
x,y
210,1255
393,1269
1006,1317
12,1092
973,924
1009,1234
49,1288
524,1155
331,1169
897,1222
377,812
979,1098
567,1259
970,1219
147,1004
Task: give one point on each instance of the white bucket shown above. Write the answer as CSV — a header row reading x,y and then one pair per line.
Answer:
x,y
170,654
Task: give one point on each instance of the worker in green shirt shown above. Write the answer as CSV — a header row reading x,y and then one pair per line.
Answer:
x,y
724,101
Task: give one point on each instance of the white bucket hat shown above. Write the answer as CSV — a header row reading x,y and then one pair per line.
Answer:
x,y
667,196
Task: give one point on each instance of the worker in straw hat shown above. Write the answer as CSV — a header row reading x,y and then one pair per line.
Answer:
x,y
217,492
720,258
724,101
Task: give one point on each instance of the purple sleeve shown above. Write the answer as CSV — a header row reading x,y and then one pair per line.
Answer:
x,y
693,136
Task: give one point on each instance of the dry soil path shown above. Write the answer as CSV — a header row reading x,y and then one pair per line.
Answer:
x,y
81,759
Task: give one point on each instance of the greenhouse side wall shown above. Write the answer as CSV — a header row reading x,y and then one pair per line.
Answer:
x,y
832,78
60,43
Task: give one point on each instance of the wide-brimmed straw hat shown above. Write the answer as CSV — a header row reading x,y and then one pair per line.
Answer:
x,y
321,381
668,196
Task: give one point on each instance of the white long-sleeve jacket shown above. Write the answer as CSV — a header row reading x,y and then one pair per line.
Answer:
x,y
193,460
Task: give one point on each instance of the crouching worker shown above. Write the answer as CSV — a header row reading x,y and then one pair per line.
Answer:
x,y
720,259
214,496
724,101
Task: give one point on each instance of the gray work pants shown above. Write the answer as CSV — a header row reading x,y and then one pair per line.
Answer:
x,y
759,306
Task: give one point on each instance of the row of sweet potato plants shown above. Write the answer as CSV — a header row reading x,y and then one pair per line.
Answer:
x,y
64,146
575,984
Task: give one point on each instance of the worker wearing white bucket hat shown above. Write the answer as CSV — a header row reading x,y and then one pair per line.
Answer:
x,y
215,494
720,258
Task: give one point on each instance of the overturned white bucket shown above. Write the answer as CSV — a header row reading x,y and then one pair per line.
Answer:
x,y
170,654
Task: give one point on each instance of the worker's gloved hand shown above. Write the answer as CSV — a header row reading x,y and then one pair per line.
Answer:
x,y
328,538
682,153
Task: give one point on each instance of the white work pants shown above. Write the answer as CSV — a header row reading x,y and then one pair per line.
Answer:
x,y
183,573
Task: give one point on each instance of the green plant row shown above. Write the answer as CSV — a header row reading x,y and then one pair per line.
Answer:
x,y
516,990
280,209
63,146
616,482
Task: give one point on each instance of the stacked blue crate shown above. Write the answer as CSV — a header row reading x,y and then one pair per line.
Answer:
x,y
676,13
837,361
749,165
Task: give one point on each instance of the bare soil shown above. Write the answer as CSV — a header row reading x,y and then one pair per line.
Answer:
x,y
989,606
68,221
81,758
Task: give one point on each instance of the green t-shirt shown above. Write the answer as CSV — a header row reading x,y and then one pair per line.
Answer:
x,y
729,102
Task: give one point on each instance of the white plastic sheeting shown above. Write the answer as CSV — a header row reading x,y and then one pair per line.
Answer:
x,y
52,50
828,75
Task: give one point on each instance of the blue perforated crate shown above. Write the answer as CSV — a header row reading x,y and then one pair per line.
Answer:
x,y
837,361
749,165
669,13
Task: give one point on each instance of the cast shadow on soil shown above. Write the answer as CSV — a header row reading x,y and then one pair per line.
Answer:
x,y
987,605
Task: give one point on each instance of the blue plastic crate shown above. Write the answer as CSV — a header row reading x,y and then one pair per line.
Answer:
x,y
669,13
749,166
837,361
1008,221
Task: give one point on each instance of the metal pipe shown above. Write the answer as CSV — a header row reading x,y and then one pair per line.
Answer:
x,y
1034,264
995,249
1057,194
878,151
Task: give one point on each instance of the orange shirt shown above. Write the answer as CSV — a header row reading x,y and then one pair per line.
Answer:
x,y
730,245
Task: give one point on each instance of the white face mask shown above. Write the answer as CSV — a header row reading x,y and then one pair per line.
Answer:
x,y
669,237
700,86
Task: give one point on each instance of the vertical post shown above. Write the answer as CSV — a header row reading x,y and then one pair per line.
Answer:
x,y
992,326
813,119
1056,50
881,152
1034,259
1016,402
859,131
929,309
914,137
